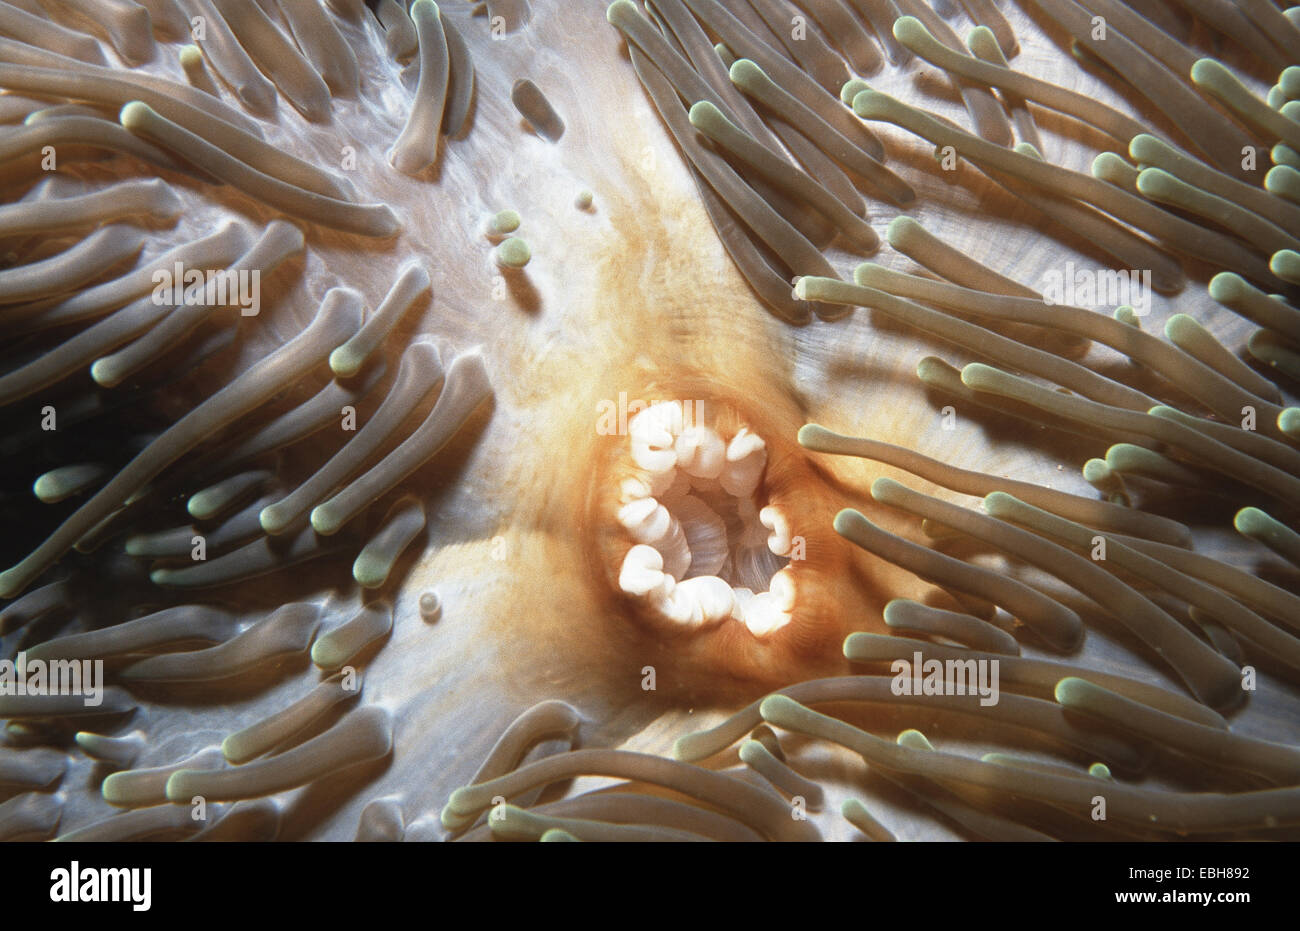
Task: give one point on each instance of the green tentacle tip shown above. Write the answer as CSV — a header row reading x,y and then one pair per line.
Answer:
x,y
557,835
344,362
271,519
1127,315
1252,522
1280,180
1226,286
976,372
109,787
810,433
999,502
908,27
1285,263
1181,325
464,802
1144,143
1105,164
745,70
1100,771
231,748
914,740
11,582
1124,457
868,103
1157,183
1289,81
370,571
1071,690
103,374
898,228
507,221
931,369
702,112
777,707
201,505
513,253
324,520
134,113
846,521
1288,421
1283,154
1096,471
1206,70
452,820
176,788
327,653
890,612
584,200
683,746
881,486
852,87
60,484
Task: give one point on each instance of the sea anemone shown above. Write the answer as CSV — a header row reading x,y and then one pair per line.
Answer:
x,y
480,422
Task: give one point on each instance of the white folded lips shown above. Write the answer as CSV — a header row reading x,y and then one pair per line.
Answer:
x,y
675,459
649,523
779,541
746,458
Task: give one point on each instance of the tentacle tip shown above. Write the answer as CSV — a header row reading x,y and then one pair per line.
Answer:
x,y
513,253
810,433
177,789
774,708
344,363
324,521
846,521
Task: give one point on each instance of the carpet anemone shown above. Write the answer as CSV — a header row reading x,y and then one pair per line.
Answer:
x,y
760,419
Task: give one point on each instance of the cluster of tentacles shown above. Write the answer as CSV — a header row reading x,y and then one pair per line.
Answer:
x,y
781,168
215,497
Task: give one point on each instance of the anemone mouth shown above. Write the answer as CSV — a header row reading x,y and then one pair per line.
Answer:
x,y
692,500
714,533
